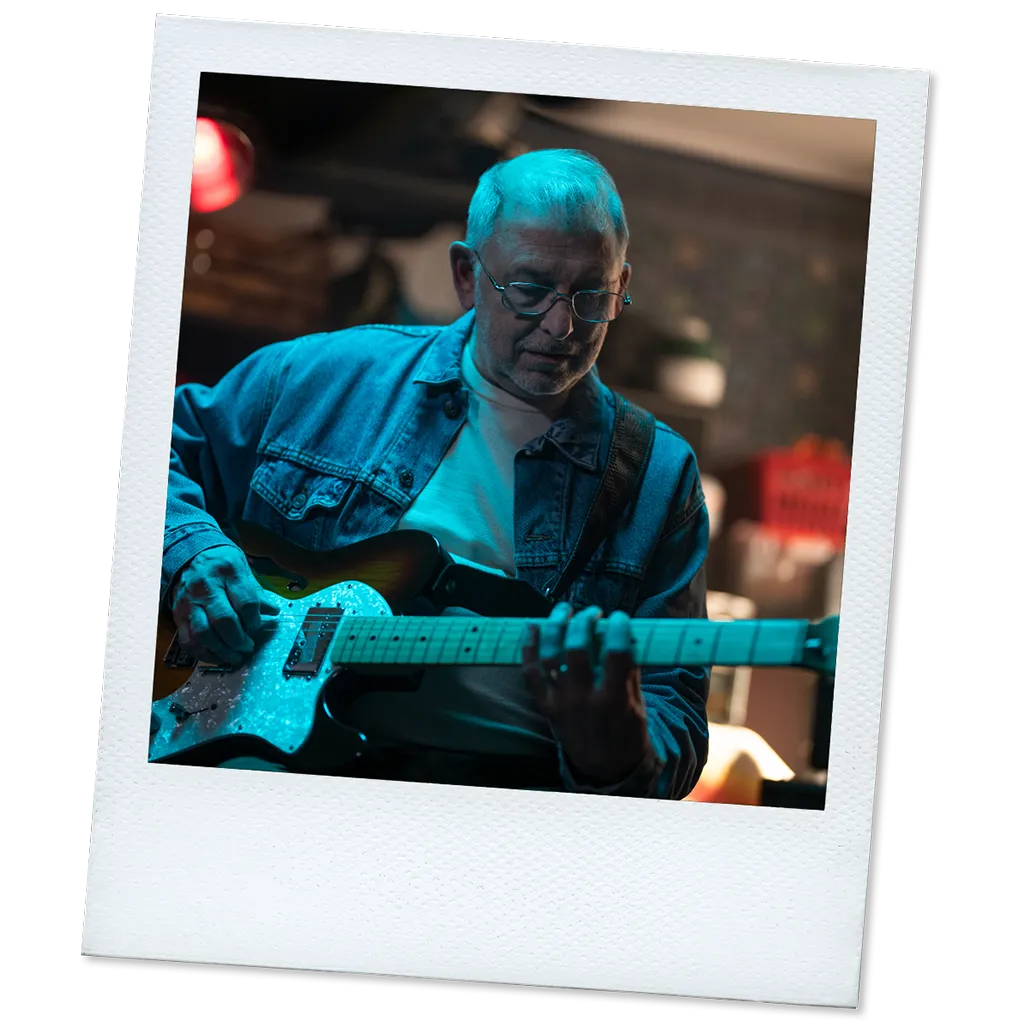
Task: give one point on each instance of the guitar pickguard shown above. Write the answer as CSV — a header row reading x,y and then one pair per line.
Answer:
x,y
266,706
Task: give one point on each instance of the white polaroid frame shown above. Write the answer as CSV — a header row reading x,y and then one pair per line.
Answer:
x,y
583,891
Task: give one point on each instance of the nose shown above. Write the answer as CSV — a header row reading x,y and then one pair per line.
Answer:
x,y
558,320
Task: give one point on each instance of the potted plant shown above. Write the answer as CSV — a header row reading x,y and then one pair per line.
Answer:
x,y
690,370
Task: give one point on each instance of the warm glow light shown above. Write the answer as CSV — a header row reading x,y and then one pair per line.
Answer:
x,y
211,152
221,165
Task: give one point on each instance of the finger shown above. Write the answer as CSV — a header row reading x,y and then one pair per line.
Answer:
x,y
618,662
207,641
552,636
537,687
580,650
577,676
225,622
537,680
581,632
195,587
246,598
185,637
529,643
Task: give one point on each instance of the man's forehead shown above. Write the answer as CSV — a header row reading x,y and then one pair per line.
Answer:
x,y
543,240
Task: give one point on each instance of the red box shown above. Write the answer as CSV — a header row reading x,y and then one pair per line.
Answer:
x,y
803,490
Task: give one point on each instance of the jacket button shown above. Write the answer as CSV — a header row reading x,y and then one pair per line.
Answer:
x,y
299,500
452,409
405,478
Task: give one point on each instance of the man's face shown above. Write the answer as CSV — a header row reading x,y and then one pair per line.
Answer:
x,y
538,358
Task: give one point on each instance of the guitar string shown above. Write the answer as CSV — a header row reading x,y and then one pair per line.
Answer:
x,y
648,630
651,633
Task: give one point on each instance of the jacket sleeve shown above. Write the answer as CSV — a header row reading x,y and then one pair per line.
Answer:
x,y
676,699
214,439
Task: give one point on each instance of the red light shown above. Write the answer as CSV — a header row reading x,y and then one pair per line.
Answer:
x,y
221,165
211,153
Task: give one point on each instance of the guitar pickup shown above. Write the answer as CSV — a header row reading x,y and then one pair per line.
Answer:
x,y
312,641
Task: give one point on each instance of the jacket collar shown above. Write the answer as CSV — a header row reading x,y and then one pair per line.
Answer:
x,y
579,430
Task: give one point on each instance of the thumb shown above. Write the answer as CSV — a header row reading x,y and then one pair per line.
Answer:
x,y
267,607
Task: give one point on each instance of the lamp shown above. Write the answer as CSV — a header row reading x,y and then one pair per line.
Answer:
x,y
222,165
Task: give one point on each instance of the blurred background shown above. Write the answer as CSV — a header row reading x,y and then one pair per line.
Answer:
x,y
319,205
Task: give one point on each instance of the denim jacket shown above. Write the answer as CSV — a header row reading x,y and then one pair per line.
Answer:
x,y
326,440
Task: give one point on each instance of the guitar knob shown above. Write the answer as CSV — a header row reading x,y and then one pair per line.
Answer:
x,y
154,723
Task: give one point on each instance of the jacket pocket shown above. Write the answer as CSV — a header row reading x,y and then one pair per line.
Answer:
x,y
299,504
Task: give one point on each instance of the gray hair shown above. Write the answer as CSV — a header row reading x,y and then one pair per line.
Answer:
x,y
566,184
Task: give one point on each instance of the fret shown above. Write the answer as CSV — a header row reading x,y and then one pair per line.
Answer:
x,y
505,634
469,644
647,644
353,646
783,645
371,645
644,657
511,640
450,645
424,649
496,630
736,643
409,649
697,641
392,643
716,643
480,640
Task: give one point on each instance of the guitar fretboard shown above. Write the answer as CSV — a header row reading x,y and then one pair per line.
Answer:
x,y
468,640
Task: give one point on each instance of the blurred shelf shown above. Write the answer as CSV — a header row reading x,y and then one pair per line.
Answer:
x,y
663,405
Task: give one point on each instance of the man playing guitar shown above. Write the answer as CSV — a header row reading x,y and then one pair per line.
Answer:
x,y
495,435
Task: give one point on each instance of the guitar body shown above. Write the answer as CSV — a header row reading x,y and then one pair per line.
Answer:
x,y
286,704
278,705
399,566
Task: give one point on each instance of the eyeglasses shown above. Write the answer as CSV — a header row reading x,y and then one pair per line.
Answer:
x,y
525,298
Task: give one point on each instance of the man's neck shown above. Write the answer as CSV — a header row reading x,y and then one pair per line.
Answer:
x,y
551,406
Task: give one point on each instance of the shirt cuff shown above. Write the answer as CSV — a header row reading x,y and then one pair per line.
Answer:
x,y
641,781
183,548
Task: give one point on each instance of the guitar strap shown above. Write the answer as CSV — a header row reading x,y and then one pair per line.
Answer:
x,y
628,456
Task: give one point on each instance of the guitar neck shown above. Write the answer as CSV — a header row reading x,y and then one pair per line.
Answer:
x,y
469,640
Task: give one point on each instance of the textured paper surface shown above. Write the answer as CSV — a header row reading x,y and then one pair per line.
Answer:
x,y
551,889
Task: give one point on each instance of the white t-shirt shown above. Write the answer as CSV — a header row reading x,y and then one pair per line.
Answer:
x,y
468,502
468,505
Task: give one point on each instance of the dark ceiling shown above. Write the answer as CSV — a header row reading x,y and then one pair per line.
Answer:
x,y
393,159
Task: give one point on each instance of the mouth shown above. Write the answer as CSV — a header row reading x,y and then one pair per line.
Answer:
x,y
547,357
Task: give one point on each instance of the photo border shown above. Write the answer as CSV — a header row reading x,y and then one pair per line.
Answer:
x,y
454,882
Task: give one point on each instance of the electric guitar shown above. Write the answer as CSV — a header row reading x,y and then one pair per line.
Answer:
x,y
287,703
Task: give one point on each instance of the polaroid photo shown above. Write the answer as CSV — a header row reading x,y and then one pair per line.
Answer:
x,y
506,512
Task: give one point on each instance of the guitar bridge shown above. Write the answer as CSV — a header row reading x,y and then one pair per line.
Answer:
x,y
177,657
312,641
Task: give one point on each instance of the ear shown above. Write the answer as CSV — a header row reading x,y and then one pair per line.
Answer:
x,y
460,256
627,270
